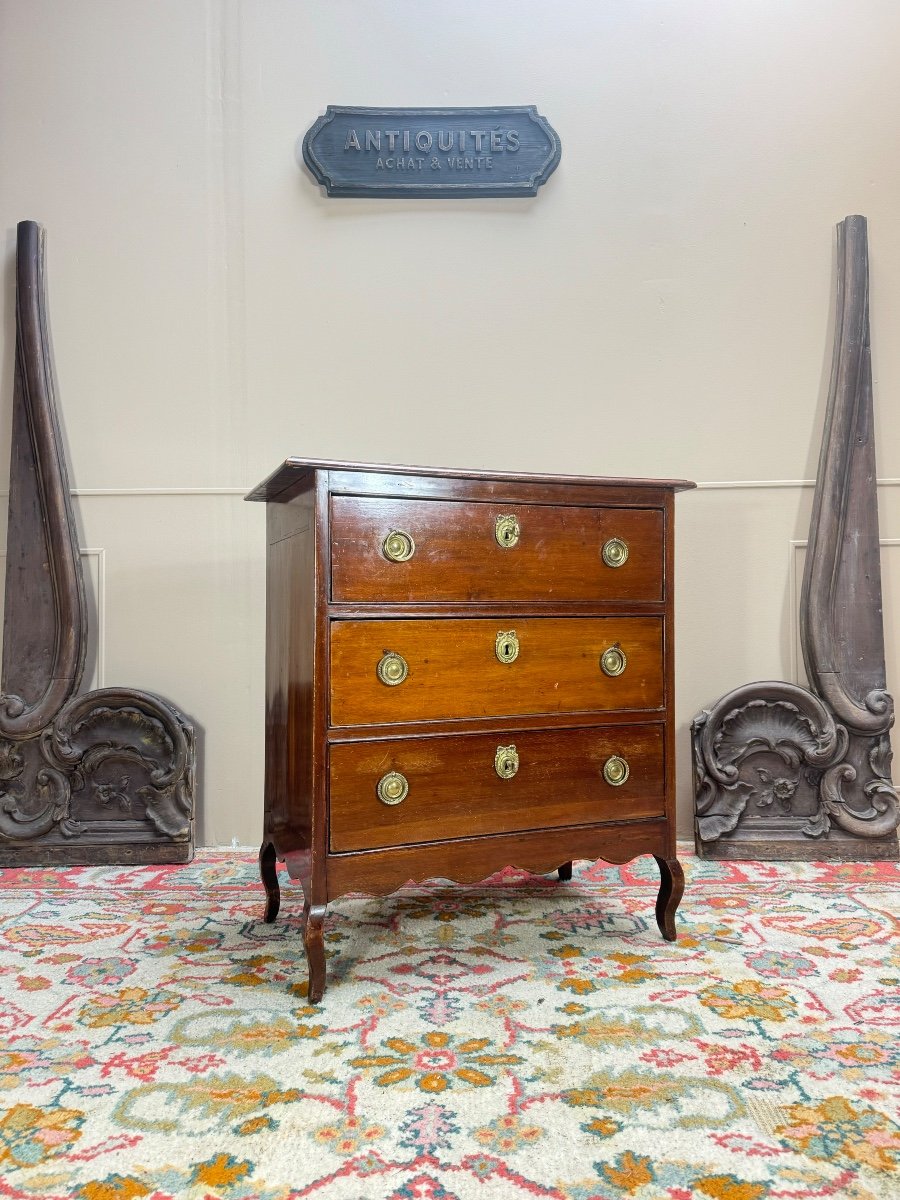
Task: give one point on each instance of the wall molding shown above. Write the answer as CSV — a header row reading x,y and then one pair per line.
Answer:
x,y
163,491
170,491
737,484
100,553
707,486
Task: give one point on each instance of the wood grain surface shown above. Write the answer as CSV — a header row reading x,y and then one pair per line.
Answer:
x,y
455,791
454,671
457,556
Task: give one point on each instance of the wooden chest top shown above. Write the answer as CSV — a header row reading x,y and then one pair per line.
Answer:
x,y
292,472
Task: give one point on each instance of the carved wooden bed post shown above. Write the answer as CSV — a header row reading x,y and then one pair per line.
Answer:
x,y
782,772
106,777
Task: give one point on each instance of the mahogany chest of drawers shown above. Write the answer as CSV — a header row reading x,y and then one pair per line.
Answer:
x,y
464,671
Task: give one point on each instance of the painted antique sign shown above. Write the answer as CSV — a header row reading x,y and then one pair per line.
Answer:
x,y
416,152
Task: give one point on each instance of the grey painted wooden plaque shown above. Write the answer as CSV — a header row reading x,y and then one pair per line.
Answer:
x,y
438,152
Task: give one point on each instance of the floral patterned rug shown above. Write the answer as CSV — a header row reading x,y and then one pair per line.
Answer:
x,y
516,1039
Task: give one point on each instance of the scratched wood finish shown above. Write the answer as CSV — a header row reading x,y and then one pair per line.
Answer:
x,y
454,670
455,791
331,723
558,554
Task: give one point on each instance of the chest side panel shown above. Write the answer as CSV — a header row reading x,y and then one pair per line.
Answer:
x,y
291,620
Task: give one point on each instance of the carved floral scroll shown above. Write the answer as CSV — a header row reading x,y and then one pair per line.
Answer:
x,y
785,772
102,777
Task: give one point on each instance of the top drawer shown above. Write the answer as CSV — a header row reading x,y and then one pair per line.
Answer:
x,y
464,552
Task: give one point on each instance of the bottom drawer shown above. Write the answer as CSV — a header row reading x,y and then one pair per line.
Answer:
x,y
412,790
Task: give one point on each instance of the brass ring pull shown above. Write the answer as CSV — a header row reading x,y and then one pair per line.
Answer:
x,y
506,531
615,552
506,761
392,788
615,771
506,646
392,668
613,661
398,546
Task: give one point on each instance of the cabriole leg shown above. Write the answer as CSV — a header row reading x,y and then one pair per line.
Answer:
x,y
314,945
311,877
268,873
671,889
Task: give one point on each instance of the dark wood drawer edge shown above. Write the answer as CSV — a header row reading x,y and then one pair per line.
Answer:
x,y
378,872
489,610
625,823
568,719
496,724
517,489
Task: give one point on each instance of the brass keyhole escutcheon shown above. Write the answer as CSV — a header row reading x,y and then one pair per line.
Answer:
x,y
392,788
506,761
506,531
392,668
615,552
506,646
613,661
615,771
398,546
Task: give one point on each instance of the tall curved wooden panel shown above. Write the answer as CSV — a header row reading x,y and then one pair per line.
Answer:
x,y
104,777
786,772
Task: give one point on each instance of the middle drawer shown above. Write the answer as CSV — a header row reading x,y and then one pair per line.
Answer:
x,y
384,672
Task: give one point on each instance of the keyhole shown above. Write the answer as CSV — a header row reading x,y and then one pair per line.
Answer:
x,y
506,647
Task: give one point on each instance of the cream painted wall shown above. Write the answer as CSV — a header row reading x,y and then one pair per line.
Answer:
x,y
662,307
